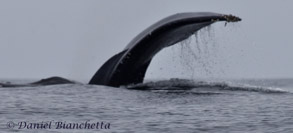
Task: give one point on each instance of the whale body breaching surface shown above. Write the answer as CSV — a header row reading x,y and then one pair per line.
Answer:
x,y
130,65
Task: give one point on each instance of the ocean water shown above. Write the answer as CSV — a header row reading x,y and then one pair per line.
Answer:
x,y
170,106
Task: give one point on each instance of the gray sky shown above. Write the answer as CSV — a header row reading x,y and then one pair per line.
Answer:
x,y
73,38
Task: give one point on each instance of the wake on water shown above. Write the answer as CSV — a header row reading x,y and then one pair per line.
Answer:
x,y
199,86
176,84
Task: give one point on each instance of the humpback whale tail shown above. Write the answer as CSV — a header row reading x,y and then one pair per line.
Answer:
x,y
130,65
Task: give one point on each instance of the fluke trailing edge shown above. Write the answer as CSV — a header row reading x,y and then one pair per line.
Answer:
x,y
130,65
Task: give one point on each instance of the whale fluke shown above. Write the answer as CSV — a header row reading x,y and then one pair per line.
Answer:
x,y
130,65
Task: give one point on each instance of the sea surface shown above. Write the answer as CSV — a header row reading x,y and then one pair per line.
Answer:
x,y
169,106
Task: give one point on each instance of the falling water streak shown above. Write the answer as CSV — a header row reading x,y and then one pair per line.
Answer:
x,y
185,57
212,49
196,36
188,57
212,36
198,52
197,57
205,60
202,57
204,41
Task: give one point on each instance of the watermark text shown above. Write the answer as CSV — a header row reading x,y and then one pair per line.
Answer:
x,y
57,125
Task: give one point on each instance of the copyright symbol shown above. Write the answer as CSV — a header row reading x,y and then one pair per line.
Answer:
x,y
10,125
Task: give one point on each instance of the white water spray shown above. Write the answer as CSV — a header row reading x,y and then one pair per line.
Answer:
x,y
201,56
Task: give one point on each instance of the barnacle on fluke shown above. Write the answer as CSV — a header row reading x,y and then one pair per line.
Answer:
x,y
231,18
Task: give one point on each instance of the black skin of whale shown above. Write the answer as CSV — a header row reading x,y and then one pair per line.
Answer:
x,y
42,82
130,65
